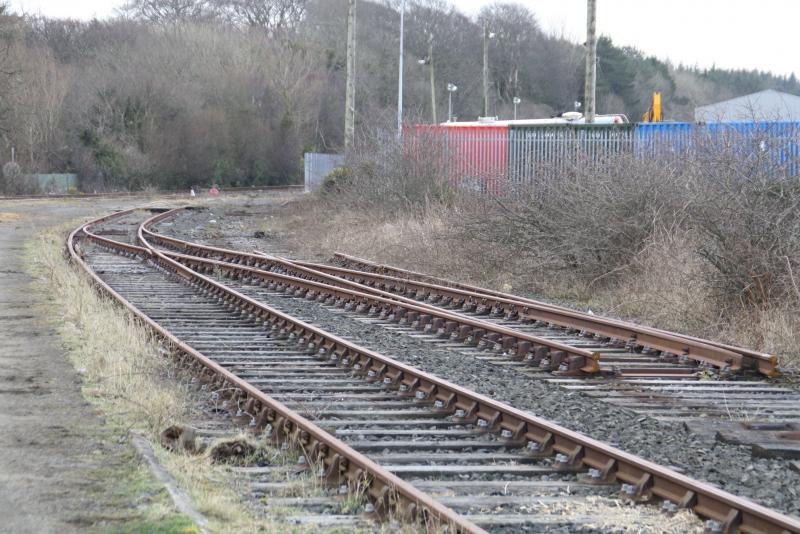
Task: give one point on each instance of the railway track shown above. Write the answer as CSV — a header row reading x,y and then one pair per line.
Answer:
x,y
162,193
737,402
396,433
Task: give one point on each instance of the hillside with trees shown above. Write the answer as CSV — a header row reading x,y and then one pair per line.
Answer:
x,y
173,93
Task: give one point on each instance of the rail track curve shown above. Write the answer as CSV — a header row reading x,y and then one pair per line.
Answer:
x,y
461,420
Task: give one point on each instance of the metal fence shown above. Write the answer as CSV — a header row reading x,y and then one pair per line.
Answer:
x,y
52,183
539,153
496,159
773,147
318,166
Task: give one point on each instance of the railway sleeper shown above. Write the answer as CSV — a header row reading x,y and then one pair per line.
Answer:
x,y
470,336
641,485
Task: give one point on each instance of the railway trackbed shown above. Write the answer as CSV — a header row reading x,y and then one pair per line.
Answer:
x,y
715,389
418,446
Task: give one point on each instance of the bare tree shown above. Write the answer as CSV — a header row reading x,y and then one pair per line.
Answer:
x,y
38,102
167,11
9,67
275,16
516,35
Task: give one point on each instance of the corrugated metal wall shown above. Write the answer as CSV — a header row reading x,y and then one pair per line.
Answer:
x,y
318,166
474,157
662,138
477,157
774,145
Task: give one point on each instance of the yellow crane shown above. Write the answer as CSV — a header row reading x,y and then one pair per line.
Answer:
x,y
654,113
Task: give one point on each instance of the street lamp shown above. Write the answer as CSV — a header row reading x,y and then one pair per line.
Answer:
x,y
451,88
429,61
517,100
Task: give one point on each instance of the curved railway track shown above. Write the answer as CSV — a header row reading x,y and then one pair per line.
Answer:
x,y
607,335
371,422
738,402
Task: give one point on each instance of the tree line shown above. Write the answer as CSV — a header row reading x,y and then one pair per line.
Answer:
x,y
174,93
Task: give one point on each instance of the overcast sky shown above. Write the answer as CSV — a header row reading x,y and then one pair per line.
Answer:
x,y
729,33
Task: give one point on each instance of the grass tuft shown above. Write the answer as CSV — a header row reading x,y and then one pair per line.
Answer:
x,y
128,378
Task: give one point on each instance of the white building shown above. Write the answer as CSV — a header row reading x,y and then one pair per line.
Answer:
x,y
769,105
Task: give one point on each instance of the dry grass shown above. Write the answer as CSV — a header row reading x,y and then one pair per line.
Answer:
x,y
127,376
6,216
118,358
665,285
624,517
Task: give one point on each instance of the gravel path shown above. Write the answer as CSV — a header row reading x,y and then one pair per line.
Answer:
x,y
61,467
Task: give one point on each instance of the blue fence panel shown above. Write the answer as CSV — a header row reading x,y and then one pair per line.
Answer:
x,y
747,140
772,144
654,139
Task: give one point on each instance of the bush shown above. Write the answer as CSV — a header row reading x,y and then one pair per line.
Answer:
x,y
337,181
738,209
589,223
749,231
385,175
16,183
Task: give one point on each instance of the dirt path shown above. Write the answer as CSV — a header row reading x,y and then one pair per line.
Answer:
x,y
55,453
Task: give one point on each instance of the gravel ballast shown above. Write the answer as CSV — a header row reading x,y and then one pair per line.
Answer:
x,y
731,467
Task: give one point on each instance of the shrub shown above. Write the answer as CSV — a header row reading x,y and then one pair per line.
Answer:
x,y
16,183
750,235
385,175
336,181
588,222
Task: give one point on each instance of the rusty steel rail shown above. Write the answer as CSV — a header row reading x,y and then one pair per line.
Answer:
x,y
340,462
632,335
537,351
764,363
564,357
642,480
682,347
369,282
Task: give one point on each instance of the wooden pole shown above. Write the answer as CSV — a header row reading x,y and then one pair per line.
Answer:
x,y
591,60
350,90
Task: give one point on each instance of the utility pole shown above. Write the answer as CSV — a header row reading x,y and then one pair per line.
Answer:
x,y
485,73
400,75
350,91
433,83
591,60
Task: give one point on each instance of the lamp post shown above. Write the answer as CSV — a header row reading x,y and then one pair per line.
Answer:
x,y
516,101
429,61
451,88
350,88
